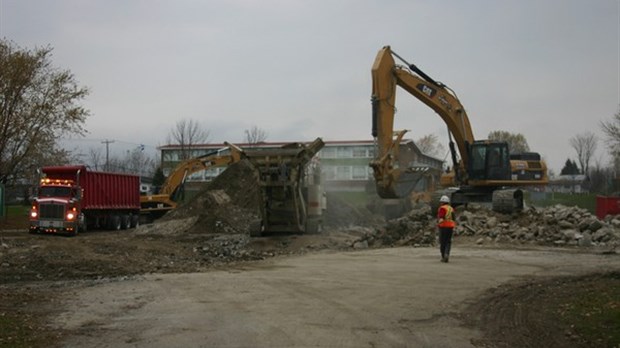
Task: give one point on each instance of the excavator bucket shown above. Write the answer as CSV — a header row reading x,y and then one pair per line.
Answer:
x,y
402,183
408,180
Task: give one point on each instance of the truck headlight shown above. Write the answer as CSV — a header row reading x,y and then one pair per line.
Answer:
x,y
70,215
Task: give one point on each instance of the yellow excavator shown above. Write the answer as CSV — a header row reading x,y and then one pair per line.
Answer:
x,y
486,170
157,205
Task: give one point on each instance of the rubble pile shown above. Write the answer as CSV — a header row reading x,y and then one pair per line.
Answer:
x,y
227,248
415,228
227,205
557,225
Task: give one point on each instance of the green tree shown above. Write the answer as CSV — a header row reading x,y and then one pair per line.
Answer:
x,y
516,141
38,105
570,168
158,178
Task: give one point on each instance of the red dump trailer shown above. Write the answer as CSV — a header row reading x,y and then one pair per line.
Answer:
x,y
72,198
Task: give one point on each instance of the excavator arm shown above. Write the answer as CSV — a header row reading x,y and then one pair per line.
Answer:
x,y
165,200
386,76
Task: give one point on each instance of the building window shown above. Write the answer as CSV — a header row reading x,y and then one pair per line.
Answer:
x,y
360,173
343,173
328,152
171,155
343,152
198,153
359,152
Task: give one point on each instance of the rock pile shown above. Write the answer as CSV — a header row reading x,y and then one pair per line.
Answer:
x,y
557,225
227,205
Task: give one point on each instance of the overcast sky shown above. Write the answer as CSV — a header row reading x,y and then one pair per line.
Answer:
x,y
548,69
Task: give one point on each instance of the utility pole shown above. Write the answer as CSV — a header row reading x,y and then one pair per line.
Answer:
x,y
107,153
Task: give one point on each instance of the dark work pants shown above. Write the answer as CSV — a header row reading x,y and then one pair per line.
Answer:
x,y
445,241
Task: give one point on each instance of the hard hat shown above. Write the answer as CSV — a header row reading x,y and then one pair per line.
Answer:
x,y
444,199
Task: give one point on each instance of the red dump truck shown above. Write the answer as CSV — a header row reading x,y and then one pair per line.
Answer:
x,y
72,198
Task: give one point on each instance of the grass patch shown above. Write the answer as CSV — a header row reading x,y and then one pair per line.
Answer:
x,y
15,333
22,324
594,313
586,201
16,217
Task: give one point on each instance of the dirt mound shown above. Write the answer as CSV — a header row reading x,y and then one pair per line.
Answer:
x,y
229,204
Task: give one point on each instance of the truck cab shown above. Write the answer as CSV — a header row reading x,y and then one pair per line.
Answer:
x,y
56,207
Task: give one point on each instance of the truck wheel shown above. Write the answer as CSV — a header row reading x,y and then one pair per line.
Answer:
x,y
125,222
114,222
135,221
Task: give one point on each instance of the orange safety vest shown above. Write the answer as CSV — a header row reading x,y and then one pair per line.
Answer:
x,y
446,220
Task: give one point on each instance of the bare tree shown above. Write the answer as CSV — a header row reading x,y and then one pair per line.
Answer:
x,y
584,144
38,105
601,177
516,141
95,158
611,129
133,162
255,135
187,133
430,145
137,162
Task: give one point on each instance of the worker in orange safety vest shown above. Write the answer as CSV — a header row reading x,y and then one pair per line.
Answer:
x,y
446,224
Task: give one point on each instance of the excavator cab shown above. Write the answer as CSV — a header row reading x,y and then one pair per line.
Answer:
x,y
489,161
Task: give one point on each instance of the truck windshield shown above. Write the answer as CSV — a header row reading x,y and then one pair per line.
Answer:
x,y
55,191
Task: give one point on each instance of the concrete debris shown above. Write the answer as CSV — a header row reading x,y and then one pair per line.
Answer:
x,y
557,225
227,205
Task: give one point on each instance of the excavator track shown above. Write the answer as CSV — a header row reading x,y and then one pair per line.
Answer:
x,y
507,201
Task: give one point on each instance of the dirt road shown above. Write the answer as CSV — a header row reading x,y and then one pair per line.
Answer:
x,y
399,297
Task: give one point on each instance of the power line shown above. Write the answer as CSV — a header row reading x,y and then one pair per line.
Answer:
x,y
116,140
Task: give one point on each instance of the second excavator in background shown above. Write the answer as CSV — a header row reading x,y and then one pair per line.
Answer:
x,y
486,170
156,205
